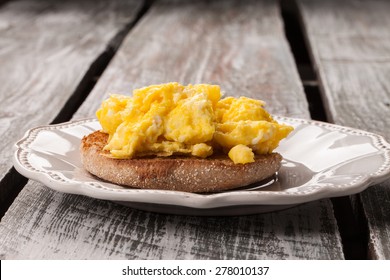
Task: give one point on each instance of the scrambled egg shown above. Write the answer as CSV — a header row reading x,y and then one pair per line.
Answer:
x,y
192,120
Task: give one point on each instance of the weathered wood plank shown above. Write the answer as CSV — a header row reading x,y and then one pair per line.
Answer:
x,y
46,48
352,57
58,226
202,43
239,45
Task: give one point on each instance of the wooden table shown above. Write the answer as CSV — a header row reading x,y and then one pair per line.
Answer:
x,y
59,61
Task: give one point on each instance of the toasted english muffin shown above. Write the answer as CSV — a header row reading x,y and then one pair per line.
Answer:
x,y
188,174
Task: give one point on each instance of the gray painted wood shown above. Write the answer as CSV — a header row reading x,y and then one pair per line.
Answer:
x,y
350,46
240,46
46,48
44,224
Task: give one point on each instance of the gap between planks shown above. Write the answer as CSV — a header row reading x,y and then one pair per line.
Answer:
x,y
353,231
97,68
87,83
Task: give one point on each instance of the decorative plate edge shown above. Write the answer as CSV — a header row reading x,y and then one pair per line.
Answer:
x,y
22,149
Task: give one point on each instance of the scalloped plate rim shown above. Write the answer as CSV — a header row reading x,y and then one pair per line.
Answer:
x,y
101,190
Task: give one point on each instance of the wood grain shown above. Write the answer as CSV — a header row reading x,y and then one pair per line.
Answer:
x,y
352,58
46,48
44,224
208,43
239,45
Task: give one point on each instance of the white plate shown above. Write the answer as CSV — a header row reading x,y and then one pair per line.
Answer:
x,y
321,160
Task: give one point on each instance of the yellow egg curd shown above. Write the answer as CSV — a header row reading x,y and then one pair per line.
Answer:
x,y
172,119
